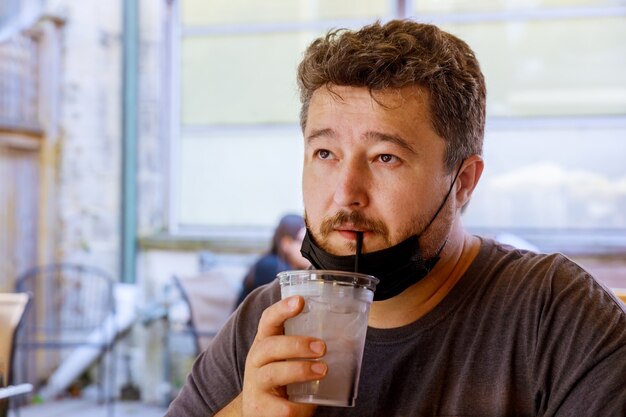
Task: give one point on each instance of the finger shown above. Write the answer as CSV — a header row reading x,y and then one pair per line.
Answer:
x,y
277,374
273,318
279,348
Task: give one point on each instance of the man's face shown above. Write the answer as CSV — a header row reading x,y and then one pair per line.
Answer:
x,y
375,168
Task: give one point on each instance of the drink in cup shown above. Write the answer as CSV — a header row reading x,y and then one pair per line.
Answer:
x,y
336,310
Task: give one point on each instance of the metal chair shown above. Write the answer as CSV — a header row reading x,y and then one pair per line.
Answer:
x,y
12,308
210,297
207,299
72,320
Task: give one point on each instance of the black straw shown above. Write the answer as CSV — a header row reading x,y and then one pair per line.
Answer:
x,y
359,248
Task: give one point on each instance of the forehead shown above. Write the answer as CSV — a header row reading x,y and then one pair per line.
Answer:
x,y
402,112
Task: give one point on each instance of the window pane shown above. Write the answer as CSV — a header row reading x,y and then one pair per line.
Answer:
x,y
211,12
442,6
240,178
9,9
241,79
551,67
333,9
561,177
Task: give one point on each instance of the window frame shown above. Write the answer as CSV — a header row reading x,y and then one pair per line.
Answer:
x,y
562,239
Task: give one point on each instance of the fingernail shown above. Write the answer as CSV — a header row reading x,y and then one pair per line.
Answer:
x,y
293,303
318,368
317,347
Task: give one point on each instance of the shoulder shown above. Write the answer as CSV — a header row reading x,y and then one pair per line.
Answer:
x,y
552,287
252,307
542,281
270,264
574,327
267,260
529,265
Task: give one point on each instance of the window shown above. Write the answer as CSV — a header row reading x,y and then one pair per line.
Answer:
x,y
556,129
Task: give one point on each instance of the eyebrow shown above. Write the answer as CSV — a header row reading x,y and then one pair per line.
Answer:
x,y
395,139
371,135
319,133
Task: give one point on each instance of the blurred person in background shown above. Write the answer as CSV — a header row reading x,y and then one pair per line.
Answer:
x,y
283,255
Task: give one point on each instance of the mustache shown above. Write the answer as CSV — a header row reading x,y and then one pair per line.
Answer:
x,y
354,218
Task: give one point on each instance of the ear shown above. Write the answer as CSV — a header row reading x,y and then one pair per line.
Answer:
x,y
468,179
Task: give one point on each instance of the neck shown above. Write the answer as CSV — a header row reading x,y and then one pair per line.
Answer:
x,y
426,294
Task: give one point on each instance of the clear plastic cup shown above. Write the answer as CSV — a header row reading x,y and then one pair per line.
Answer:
x,y
336,310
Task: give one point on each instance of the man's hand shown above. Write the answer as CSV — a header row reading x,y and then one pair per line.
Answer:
x,y
268,371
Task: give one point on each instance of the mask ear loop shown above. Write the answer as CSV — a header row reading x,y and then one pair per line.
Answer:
x,y
430,263
443,203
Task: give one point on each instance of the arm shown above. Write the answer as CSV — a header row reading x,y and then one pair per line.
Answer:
x,y
581,350
220,380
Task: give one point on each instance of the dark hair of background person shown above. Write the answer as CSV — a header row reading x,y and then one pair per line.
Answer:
x,y
284,254
289,225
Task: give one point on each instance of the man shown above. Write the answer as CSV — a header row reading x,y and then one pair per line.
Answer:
x,y
393,118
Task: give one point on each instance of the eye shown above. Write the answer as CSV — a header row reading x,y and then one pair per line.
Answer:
x,y
323,154
387,158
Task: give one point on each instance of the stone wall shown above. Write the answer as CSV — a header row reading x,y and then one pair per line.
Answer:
x,y
89,170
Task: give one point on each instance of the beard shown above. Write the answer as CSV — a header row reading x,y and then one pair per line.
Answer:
x,y
432,232
435,235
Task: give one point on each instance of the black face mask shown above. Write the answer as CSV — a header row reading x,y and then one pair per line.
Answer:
x,y
397,267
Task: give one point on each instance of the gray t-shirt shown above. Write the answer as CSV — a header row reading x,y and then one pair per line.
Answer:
x,y
521,334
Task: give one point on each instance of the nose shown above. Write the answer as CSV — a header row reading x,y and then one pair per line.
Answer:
x,y
351,189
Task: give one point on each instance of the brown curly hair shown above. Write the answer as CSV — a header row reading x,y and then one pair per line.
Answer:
x,y
398,54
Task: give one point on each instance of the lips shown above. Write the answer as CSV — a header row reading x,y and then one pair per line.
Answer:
x,y
349,232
